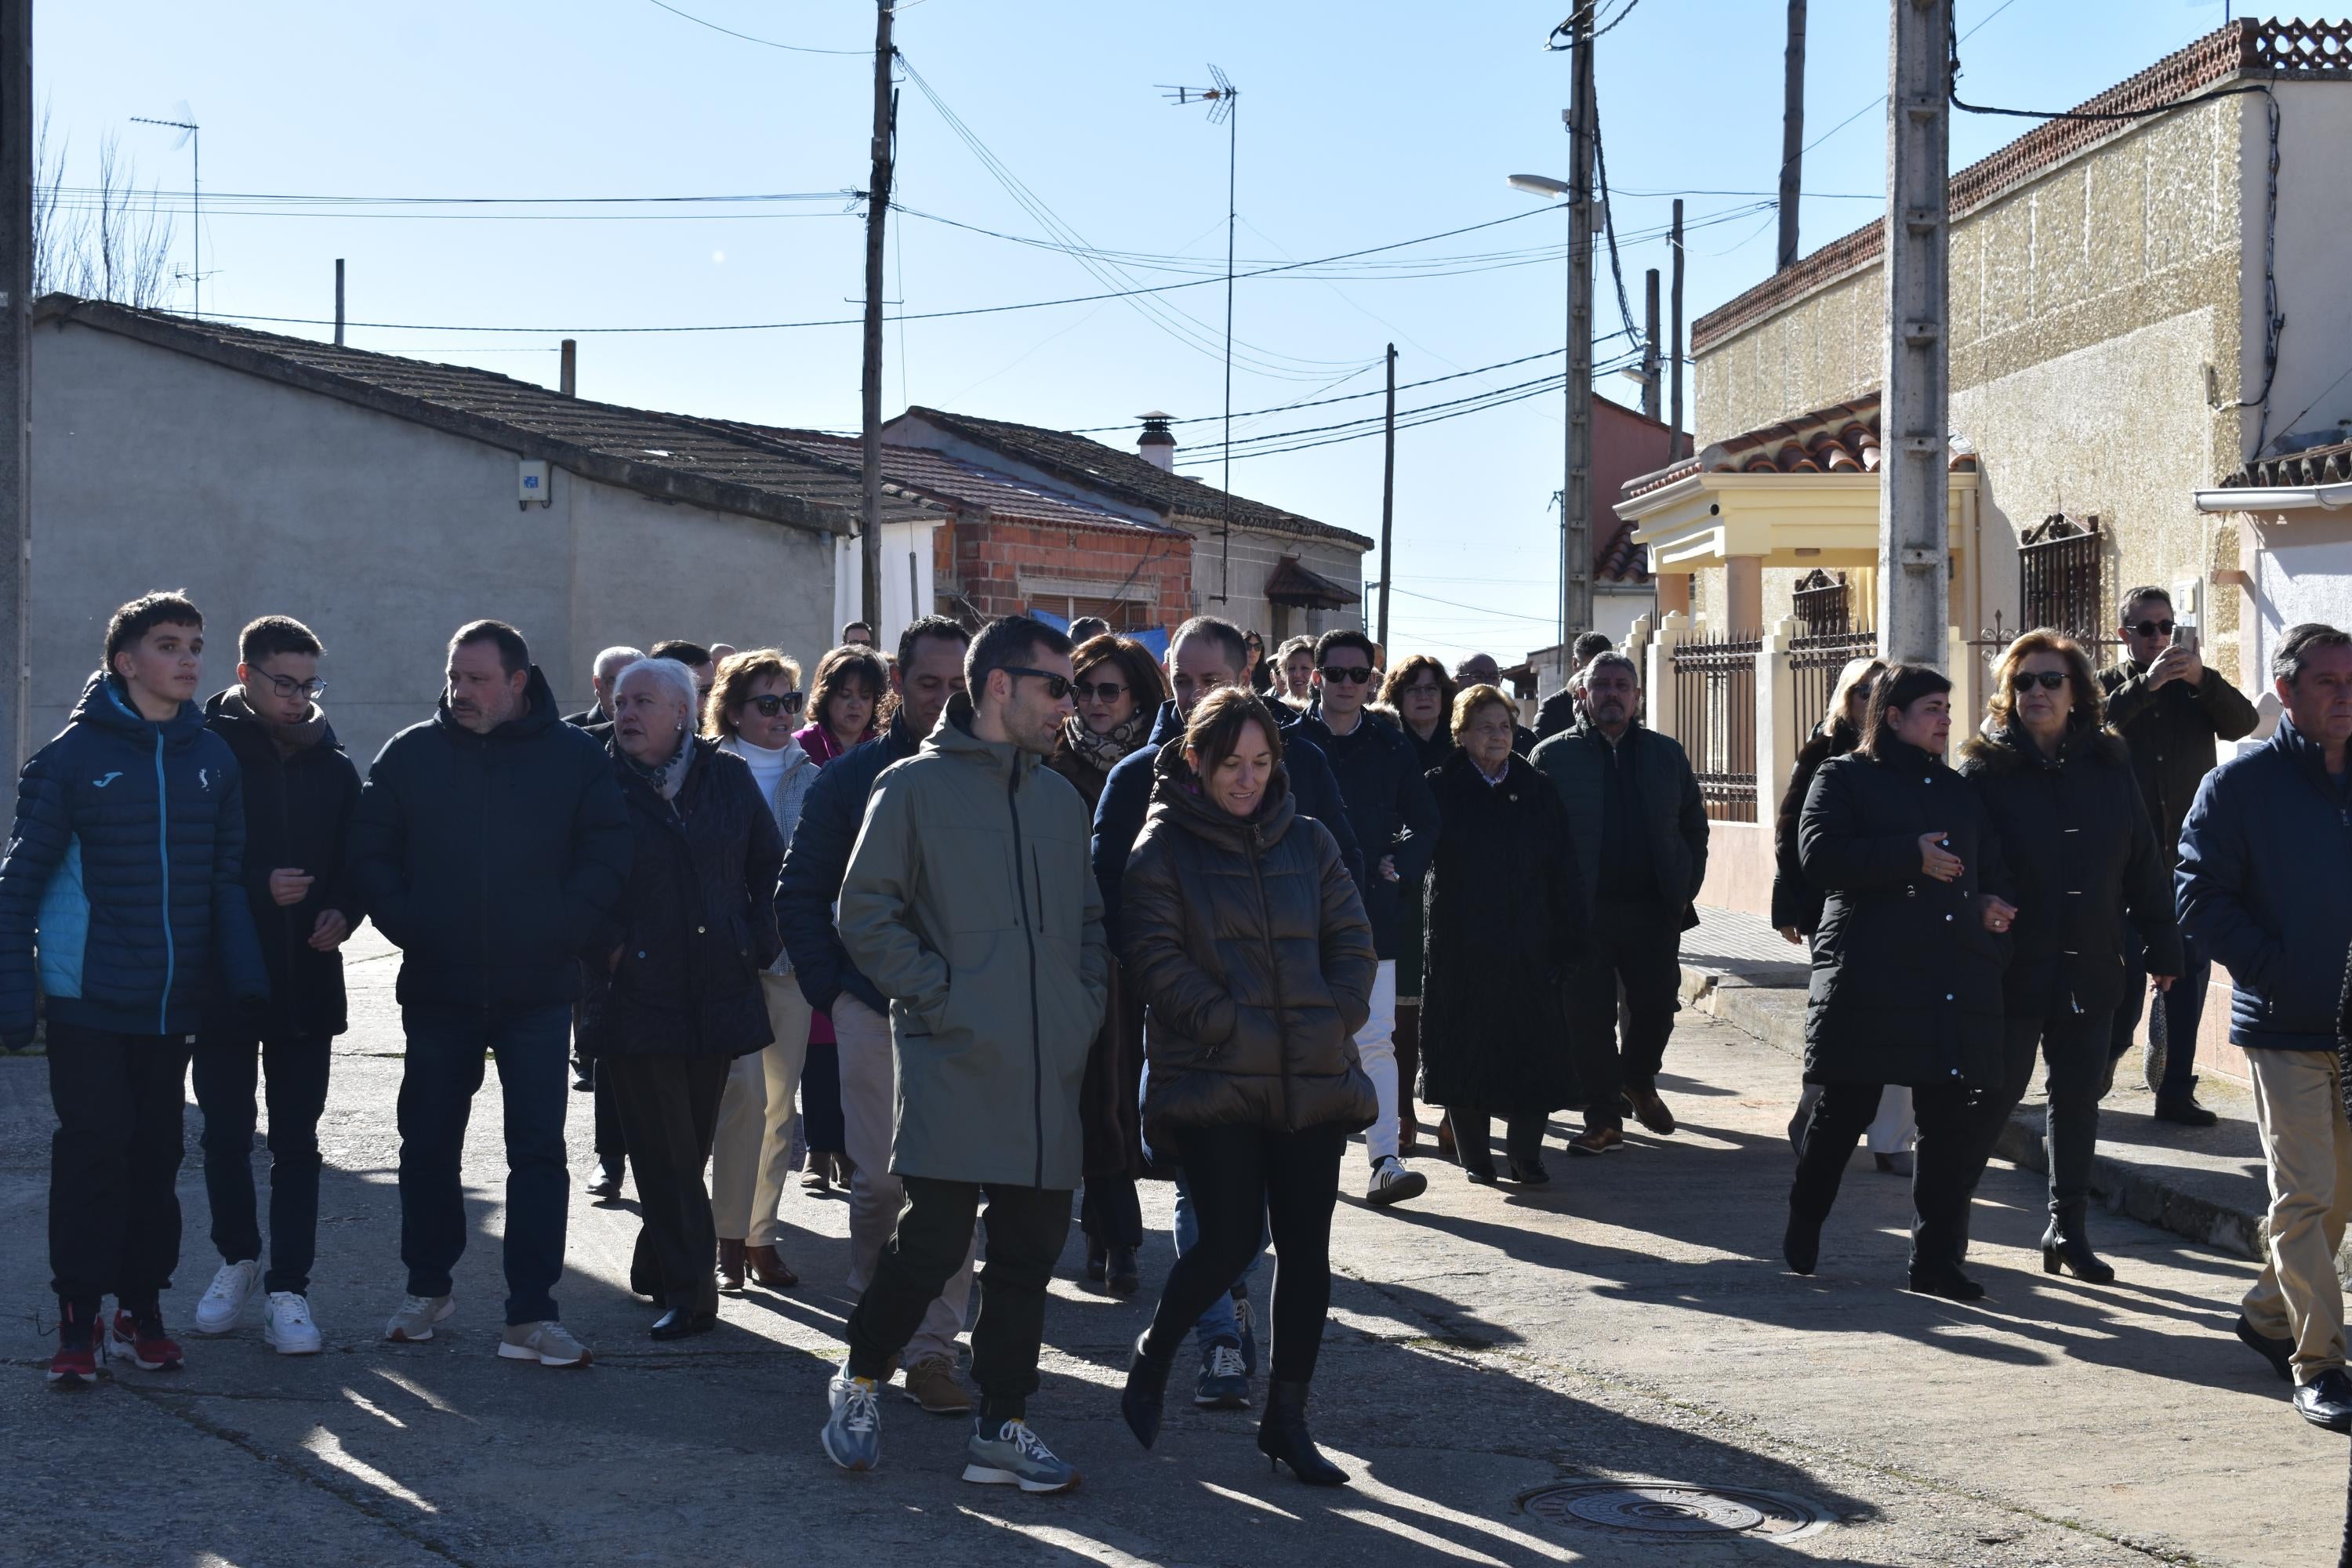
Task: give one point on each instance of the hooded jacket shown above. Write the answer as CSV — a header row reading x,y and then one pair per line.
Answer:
x,y
816,857
297,814
124,871
492,860
1248,941
968,903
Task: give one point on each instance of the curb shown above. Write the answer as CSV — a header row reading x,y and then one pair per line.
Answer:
x,y
1776,1015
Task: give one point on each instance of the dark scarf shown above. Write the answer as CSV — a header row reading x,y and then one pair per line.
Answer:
x,y
299,736
666,777
1103,753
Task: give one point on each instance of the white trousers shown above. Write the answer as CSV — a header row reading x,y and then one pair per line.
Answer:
x,y
750,1156
1376,1049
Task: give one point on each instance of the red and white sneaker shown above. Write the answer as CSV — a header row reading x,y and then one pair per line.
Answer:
x,y
80,1352
142,1338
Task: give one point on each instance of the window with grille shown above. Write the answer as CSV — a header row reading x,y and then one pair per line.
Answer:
x,y
2058,562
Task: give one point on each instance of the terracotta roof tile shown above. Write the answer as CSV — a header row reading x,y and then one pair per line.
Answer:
x,y
2328,464
1840,439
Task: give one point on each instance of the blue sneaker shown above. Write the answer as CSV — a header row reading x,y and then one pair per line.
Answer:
x,y
1225,1380
1245,1318
1013,1456
853,1432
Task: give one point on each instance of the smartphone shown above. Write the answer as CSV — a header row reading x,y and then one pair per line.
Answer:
x,y
2184,635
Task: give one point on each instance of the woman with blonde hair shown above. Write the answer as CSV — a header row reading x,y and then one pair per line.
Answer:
x,y
2083,860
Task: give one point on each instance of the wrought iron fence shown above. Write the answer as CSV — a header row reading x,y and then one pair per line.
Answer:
x,y
2058,566
1815,663
1715,719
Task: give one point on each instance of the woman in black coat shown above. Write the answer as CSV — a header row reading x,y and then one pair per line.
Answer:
x,y
1246,939
1907,967
1502,916
680,999
1422,695
2074,832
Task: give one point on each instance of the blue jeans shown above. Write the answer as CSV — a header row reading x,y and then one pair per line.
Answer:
x,y
445,1049
2184,1010
1219,1321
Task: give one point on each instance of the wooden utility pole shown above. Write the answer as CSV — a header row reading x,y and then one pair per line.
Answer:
x,y
1674,348
877,210
1388,510
1650,387
1792,132
15,371
1913,569
1576,492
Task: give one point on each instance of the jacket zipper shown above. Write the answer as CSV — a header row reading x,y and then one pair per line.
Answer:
x,y
1273,966
163,850
1029,935
285,920
482,860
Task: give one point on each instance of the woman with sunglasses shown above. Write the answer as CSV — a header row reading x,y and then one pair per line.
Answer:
x,y
754,705
2082,858
1119,690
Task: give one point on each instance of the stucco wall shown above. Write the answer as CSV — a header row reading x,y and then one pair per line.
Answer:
x,y
154,470
1254,557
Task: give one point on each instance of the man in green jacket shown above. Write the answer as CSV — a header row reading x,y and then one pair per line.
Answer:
x,y
971,903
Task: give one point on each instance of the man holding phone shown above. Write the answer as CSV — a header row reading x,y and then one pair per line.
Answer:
x,y
2172,709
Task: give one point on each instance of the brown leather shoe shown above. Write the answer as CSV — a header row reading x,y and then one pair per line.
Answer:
x,y
1651,1112
731,1266
768,1268
1596,1140
933,1384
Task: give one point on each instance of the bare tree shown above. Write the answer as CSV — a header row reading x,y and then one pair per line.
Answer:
x,y
111,241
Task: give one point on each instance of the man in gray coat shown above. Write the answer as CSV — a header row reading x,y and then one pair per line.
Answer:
x,y
970,903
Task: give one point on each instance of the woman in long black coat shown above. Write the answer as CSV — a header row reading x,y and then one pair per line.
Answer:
x,y
1501,925
679,998
2075,831
1907,967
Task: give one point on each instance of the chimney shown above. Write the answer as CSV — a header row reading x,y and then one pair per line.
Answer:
x,y
1157,445
568,384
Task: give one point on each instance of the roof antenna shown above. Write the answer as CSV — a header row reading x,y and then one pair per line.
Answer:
x,y
188,127
1220,99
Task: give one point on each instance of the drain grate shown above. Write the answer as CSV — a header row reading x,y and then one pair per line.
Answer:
x,y
1665,1509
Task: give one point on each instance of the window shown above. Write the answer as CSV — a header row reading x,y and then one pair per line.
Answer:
x,y
2058,562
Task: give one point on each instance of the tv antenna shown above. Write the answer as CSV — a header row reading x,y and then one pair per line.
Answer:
x,y
1220,99
188,127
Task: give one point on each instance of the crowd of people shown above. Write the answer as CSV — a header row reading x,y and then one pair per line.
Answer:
x,y
996,928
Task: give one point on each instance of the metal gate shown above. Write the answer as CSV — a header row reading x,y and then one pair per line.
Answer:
x,y
1715,719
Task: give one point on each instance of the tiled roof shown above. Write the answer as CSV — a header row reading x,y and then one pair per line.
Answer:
x,y
2270,50
1840,439
1291,583
1620,560
2328,464
1129,477
671,456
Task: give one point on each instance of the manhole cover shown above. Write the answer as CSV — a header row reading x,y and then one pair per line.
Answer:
x,y
1636,1508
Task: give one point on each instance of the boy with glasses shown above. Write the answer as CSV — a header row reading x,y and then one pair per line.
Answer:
x,y
299,788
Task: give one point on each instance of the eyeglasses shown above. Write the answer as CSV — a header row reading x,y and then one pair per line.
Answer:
x,y
775,702
2149,628
1351,676
1098,691
2050,679
1057,686
289,688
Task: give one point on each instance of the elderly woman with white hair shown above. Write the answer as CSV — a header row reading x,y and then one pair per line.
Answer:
x,y
679,997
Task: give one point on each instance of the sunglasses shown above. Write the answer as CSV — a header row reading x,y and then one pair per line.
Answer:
x,y
2150,628
1103,690
1353,676
1057,686
2049,679
777,702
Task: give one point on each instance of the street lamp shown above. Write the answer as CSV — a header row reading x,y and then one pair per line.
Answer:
x,y
1540,185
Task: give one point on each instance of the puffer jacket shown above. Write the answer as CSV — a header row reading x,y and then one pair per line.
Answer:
x,y
1797,903
969,904
1907,981
785,804
697,920
1388,806
2075,836
1672,810
1249,943
124,870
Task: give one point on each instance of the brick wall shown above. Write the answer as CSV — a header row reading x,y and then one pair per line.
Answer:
x,y
999,567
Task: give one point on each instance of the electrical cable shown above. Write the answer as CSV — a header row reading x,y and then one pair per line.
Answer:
x,y
764,43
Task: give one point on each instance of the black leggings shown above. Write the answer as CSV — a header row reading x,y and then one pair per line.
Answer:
x,y
1245,1182
1942,1174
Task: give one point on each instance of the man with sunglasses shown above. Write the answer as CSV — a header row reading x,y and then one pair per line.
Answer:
x,y
2170,710
1394,817
299,788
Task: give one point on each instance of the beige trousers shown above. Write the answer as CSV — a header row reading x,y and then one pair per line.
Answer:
x,y
870,1106
750,1155
2307,1147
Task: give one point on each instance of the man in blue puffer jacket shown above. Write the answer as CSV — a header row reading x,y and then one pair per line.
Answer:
x,y
122,884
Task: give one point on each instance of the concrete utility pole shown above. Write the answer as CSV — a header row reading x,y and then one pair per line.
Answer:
x,y
15,371
1388,507
878,209
339,302
1575,493
1674,348
1913,569
1792,132
1650,388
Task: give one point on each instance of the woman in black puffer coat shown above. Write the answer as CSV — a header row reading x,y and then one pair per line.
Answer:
x,y
1247,941
1907,967
680,996
2074,832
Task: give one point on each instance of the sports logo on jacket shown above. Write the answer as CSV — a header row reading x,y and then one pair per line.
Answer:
x,y
204,778
102,784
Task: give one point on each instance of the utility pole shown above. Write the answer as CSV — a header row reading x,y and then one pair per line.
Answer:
x,y
339,302
1575,493
1913,569
15,371
1674,348
1650,388
1388,510
878,209
1792,133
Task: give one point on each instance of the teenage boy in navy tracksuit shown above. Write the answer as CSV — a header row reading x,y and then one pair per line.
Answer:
x,y
121,882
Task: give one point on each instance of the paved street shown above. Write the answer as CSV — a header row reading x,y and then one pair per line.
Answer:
x,y
1631,1323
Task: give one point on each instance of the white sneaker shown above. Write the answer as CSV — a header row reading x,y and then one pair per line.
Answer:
x,y
286,1324
1393,1184
548,1343
413,1324
226,1298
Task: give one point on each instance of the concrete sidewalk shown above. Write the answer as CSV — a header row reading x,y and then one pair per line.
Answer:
x,y
2205,1183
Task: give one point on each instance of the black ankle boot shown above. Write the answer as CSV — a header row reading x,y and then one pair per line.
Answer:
x,y
1146,1393
1097,1260
2066,1245
1800,1244
1282,1437
1121,1278
1945,1279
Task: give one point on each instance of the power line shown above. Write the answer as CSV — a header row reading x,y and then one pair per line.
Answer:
x,y
763,42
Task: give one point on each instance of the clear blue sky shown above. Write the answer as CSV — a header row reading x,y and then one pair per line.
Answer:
x,y
1360,125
